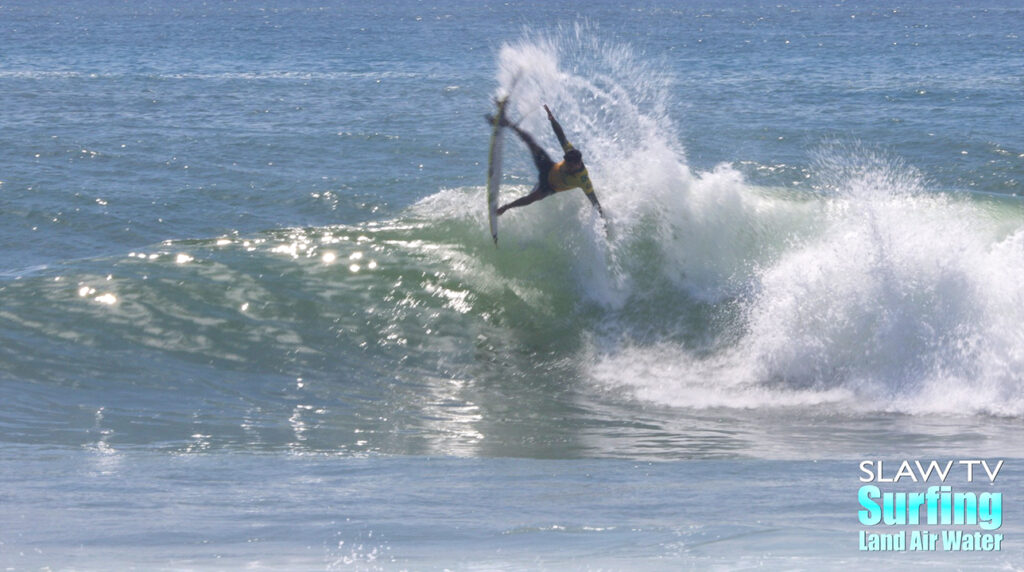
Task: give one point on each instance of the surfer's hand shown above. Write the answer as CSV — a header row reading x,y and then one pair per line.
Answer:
x,y
550,116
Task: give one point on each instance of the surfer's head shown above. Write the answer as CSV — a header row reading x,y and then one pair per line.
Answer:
x,y
574,159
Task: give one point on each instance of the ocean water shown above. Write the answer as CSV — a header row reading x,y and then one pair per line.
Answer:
x,y
251,315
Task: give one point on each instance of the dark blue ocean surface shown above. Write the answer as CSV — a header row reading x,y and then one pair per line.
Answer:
x,y
253,235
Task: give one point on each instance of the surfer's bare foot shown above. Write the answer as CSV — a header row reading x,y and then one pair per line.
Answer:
x,y
490,119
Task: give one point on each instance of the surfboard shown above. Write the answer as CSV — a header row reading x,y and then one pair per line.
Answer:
x,y
494,167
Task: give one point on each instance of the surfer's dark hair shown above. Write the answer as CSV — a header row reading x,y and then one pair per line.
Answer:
x,y
573,155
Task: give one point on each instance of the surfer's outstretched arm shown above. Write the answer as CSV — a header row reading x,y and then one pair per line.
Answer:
x,y
593,201
558,131
588,190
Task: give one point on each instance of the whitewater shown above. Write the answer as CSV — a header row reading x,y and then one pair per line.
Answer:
x,y
251,314
864,288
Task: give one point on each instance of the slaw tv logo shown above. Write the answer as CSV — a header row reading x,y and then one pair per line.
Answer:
x,y
932,515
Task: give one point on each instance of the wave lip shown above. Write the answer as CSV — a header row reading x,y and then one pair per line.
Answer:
x,y
858,284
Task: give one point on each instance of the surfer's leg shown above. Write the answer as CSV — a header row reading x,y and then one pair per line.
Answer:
x,y
520,202
540,157
539,192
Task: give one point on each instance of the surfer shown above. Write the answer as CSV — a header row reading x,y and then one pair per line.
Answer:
x,y
570,173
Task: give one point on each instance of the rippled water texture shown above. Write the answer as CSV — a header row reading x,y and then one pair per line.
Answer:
x,y
254,235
